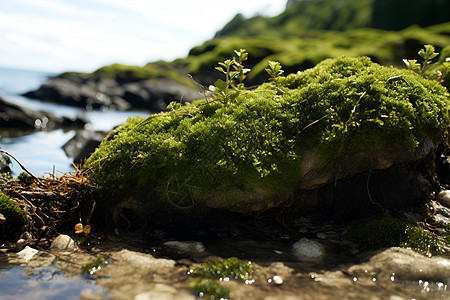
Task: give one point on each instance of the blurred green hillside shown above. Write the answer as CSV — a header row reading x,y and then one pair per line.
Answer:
x,y
309,31
304,15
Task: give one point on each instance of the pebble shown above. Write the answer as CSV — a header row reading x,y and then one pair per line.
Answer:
x,y
20,244
308,250
185,247
63,243
321,235
26,254
277,280
146,261
444,197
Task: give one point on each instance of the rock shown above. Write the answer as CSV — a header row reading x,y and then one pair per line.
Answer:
x,y
63,243
145,261
308,250
78,90
165,292
202,155
2,219
405,264
24,240
15,116
444,197
92,92
83,144
442,212
33,258
26,254
314,175
185,247
276,280
5,165
20,244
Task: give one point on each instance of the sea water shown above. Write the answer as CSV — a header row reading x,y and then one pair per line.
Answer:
x,y
40,151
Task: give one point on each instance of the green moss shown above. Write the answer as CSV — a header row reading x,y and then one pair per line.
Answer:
x,y
255,145
209,272
22,176
385,232
15,216
155,70
209,289
299,50
232,268
93,266
443,230
302,16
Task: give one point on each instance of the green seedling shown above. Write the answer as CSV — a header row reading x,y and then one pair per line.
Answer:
x,y
275,72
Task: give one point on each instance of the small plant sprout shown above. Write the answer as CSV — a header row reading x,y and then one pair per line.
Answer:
x,y
412,65
437,72
427,53
226,91
80,229
239,67
224,88
275,72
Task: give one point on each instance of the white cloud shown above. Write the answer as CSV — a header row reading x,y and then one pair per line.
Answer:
x,y
83,35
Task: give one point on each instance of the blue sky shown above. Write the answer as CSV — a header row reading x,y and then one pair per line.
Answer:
x,y
83,35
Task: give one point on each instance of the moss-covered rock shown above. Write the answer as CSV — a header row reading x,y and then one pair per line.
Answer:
x,y
252,155
15,216
387,231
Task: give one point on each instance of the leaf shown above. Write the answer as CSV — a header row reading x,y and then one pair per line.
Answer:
x,y
233,74
221,85
220,69
434,55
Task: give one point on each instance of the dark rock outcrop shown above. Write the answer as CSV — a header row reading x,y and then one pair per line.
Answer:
x,y
90,92
83,144
5,164
16,116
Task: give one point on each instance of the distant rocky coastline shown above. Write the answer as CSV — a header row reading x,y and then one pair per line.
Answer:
x,y
93,92
16,116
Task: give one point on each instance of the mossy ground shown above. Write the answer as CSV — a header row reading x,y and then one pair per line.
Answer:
x,y
15,216
387,232
255,144
299,50
209,272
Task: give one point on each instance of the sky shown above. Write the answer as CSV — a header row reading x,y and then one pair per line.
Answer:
x,y
84,35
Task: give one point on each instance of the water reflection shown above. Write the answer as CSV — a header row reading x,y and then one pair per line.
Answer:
x,y
44,283
41,152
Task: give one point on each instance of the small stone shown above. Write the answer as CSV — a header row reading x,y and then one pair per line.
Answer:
x,y
63,243
20,244
185,247
26,254
27,236
444,197
2,219
308,250
277,280
146,261
321,236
